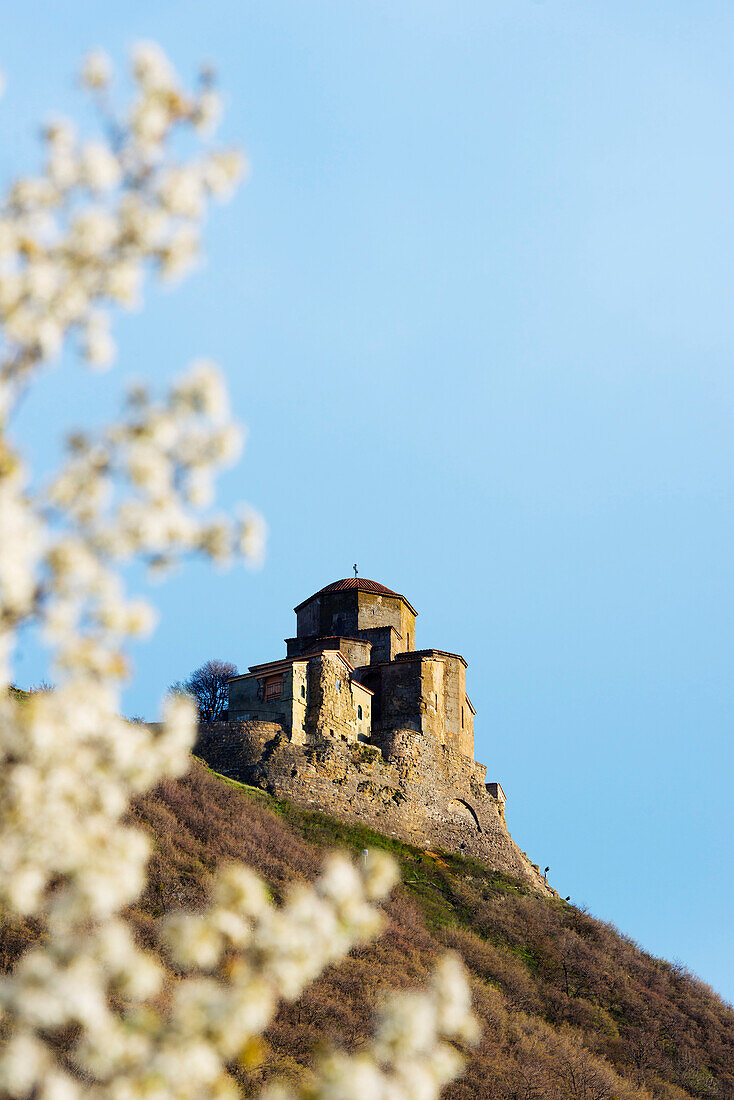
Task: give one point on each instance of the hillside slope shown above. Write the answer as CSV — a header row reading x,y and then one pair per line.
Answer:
x,y
569,1007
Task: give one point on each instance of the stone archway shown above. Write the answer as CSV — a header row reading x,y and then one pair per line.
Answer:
x,y
463,812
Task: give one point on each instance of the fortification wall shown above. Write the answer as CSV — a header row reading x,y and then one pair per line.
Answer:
x,y
430,796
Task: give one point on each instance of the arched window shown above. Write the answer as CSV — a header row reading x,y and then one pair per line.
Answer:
x,y
359,713
303,691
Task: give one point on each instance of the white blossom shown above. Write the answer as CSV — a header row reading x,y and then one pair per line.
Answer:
x,y
98,166
250,537
202,390
151,67
180,252
96,70
124,283
99,347
223,171
93,232
28,193
8,238
63,168
42,280
182,192
73,241
208,111
149,123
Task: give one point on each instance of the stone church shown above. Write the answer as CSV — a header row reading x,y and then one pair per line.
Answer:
x,y
358,722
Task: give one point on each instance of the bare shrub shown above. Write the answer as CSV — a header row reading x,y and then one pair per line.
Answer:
x,y
208,686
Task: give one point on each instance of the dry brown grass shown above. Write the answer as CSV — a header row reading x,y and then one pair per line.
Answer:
x,y
569,1007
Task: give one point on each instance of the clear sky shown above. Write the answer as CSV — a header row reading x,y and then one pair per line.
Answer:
x,y
475,305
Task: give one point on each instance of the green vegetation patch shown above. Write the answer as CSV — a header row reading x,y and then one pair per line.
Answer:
x,y
431,877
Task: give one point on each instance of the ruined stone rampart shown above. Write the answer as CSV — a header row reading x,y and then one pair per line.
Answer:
x,y
405,787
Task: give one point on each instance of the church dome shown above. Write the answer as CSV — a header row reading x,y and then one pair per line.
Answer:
x,y
356,584
360,583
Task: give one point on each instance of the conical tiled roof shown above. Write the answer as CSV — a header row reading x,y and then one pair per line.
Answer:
x,y
360,584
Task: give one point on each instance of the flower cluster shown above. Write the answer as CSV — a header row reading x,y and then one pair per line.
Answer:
x,y
409,1057
88,1012
76,240
235,962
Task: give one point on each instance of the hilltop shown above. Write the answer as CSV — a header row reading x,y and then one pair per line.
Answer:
x,y
569,1006
358,722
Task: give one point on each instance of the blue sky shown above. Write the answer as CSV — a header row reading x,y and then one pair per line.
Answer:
x,y
475,305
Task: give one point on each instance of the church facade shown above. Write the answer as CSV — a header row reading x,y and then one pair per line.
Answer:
x,y
352,671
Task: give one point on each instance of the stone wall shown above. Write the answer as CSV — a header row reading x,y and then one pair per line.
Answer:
x,y
400,695
234,748
356,650
377,610
385,621
331,710
248,698
317,698
363,708
329,613
425,691
385,641
404,787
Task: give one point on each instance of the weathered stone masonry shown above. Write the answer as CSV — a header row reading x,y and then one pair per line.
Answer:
x,y
356,722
